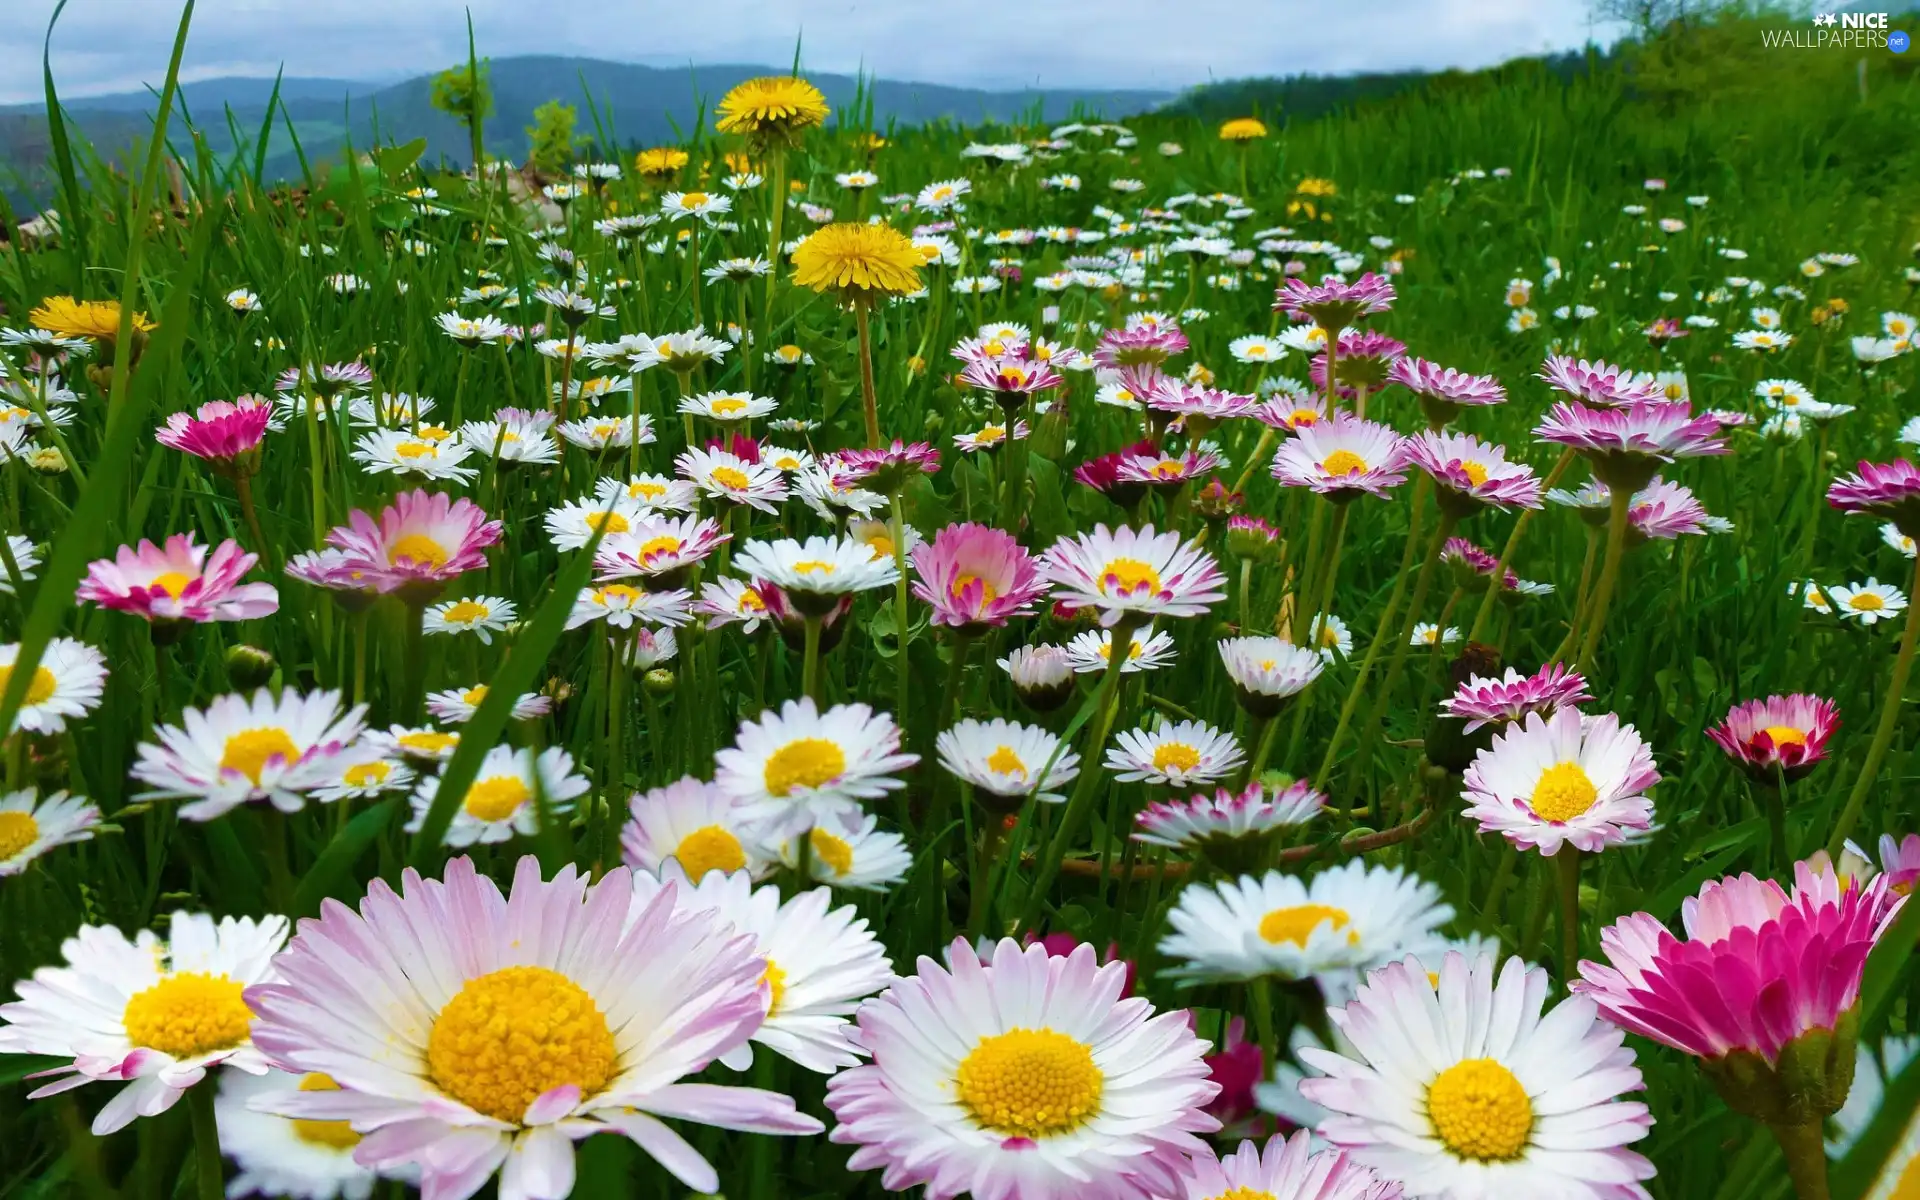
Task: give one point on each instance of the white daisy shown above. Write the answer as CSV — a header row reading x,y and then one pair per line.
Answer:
x,y
621,604
1125,572
727,407
26,556
728,477
1426,633
1329,634
424,745
306,1160
30,827
1007,760
815,573
660,493
572,525
794,765
404,452
365,780
482,616
514,436
834,496
727,600
1256,348
241,749
1868,603
694,824
505,796
1148,650
1565,779
846,848
1178,754
456,706
66,684
1891,535
1267,671
608,432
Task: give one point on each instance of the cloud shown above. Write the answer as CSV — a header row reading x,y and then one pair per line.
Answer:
x,y
120,45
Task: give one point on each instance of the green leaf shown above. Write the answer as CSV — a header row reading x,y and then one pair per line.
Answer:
x,y
395,160
73,220
337,860
1889,958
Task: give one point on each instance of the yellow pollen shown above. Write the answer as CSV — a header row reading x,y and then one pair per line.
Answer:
x,y
363,774
605,429
249,751
1563,793
693,200
1244,1193
475,694
664,544
421,549
608,521
1012,377
803,763
497,798
1169,468
1296,924
732,478
836,852
1344,462
750,601
1129,575
607,595
1476,473
881,545
646,491
1330,638
710,848
1176,756
991,433
1030,1083
39,691
963,582
776,981
416,450
188,1014
1480,1111
466,611
1303,416
1785,735
429,741
435,433
728,406
172,583
18,830
813,565
1866,602
1004,761
514,1034
336,1135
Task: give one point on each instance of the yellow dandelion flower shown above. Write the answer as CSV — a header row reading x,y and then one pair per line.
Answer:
x,y
660,161
1243,129
1312,186
771,106
85,318
740,164
857,260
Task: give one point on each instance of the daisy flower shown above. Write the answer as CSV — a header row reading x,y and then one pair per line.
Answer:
x,y
218,432
572,525
1132,574
817,572
1267,671
1347,917
834,496
308,1160
1042,675
1256,348
1563,779
975,576
505,796
1626,445
456,706
402,452
154,1014
1426,633
1868,603
1178,754
847,849
1891,535
705,205
1228,820
514,437
793,765
469,332
1333,303
251,749
1482,700
1443,391
1331,637
606,432
621,604
941,195
1888,490
468,1073
1025,1075
1779,736
820,963
1342,457
1471,474
1092,651
1290,411
426,746
30,827
1287,1169
730,478
67,683
1599,383
1008,761
1461,1087
482,616
25,556
728,407
727,600
179,582
420,543
658,548
366,780
694,824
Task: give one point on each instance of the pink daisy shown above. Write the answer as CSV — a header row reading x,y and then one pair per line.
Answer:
x,y
422,542
886,470
1291,412
1165,470
1333,303
179,582
1129,572
1888,490
1366,361
975,576
1342,457
1563,779
1444,391
220,432
1010,378
1144,345
1779,735
1596,382
1287,1169
1472,474
1483,701
1900,862
1626,445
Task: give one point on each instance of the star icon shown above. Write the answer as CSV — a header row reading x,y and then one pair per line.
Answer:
x,y
1823,19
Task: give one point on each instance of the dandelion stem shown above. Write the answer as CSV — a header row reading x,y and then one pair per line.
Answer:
x,y
869,401
1619,500
1883,733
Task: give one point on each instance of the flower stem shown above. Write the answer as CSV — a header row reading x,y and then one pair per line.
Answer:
x,y
1619,500
980,888
1401,645
1805,1149
869,401
901,672
1774,800
776,214
209,1174
1568,864
415,659
1513,543
1254,460
1260,1000
1883,734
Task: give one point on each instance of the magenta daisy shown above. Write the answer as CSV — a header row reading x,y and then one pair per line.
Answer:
x,y
1132,574
1287,1169
422,542
1026,1077
180,581
1472,474
1229,825
1366,359
1596,382
1165,470
1145,345
1342,457
1199,408
657,548
472,1033
1779,736
1887,490
1010,378
220,432
1665,511
1333,303
1290,412
1485,701
1563,779
975,576
1443,391
888,469
1900,861
1626,446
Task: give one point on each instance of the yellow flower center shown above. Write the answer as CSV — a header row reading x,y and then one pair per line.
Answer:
x,y
728,406
1296,924
1005,761
1030,1083
249,751
710,848
496,798
803,763
608,521
1244,1193
513,1034
416,450
1129,575
39,691
1303,416
172,583
466,612
693,200
1866,602
836,852
649,491
435,433
881,545
475,694
428,741
1175,756
731,478
1476,474
366,774
664,544
1480,1111
614,594
991,433
813,566
1563,793
18,830
750,601
961,584
336,1135
776,981
1169,468
419,548
1344,462
1785,735
188,1014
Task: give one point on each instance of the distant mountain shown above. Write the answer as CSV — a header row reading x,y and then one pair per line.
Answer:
x,y
636,104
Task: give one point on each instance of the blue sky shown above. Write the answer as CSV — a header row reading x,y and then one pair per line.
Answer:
x,y
117,45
